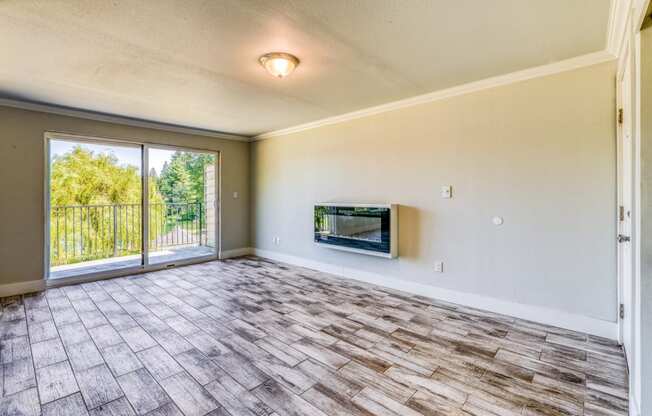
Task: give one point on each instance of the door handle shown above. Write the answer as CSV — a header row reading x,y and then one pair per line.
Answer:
x,y
623,238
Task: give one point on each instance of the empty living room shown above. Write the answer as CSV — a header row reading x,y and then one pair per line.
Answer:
x,y
325,208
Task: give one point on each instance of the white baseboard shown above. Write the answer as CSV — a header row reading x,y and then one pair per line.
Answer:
x,y
236,252
533,313
20,288
634,409
38,285
530,312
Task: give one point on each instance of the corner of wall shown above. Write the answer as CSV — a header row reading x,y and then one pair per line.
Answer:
x,y
20,288
533,313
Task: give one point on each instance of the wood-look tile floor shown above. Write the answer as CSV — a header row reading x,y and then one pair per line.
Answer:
x,y
253,337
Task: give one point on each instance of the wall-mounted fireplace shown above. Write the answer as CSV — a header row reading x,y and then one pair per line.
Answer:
x,y
360,228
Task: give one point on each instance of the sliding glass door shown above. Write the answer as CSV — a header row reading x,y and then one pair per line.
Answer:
x,y
98,214
95,207
182,205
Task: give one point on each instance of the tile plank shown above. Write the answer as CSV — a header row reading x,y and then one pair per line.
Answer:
x,y
250,336
18,376
24,403
142,391
97,385
191,398
72,405
159,363
55,381
285,402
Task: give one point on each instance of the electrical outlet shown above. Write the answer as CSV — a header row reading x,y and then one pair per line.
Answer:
x,y
276,240
439,267
447,192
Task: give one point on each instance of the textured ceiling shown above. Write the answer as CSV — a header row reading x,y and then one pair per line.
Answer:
x,y
194,63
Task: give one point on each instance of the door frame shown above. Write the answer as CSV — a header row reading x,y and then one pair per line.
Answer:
x,y
144,267
625,70
629,60
218,204
630,52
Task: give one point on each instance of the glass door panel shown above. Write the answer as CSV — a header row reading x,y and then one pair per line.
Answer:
x,y
95,207
182,205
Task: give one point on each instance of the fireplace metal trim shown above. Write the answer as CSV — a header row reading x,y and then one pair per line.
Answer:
x,y
393,229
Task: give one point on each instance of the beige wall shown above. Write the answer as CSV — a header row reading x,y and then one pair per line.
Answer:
x,y
22,172
540,153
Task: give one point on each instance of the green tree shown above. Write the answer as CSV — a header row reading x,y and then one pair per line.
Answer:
x,y
175,183
80,177
90,192
182,180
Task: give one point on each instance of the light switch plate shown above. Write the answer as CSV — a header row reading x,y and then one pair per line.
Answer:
x,y
439,266
447,192
235,195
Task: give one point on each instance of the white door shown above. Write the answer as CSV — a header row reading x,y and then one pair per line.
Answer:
x,y
625,197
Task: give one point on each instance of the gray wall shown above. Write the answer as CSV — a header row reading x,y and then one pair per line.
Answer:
x,y
540,153
22,182
646,222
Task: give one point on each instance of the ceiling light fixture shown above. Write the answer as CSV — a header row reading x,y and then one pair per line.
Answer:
x,y
279,64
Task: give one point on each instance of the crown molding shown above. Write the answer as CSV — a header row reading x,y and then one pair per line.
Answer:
x,y
642,9
617,27
535,72
530,73
115,119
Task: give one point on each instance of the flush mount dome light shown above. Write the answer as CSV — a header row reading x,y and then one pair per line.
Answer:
x,y
279,64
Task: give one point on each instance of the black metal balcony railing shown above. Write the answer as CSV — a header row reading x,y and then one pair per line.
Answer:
x,y
92,232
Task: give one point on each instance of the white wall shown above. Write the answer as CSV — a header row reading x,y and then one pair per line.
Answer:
x,y
540,153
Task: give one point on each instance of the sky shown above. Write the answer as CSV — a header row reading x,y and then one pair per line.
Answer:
x,y
126,155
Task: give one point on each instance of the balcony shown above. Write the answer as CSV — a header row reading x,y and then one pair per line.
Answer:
x,y
87,239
